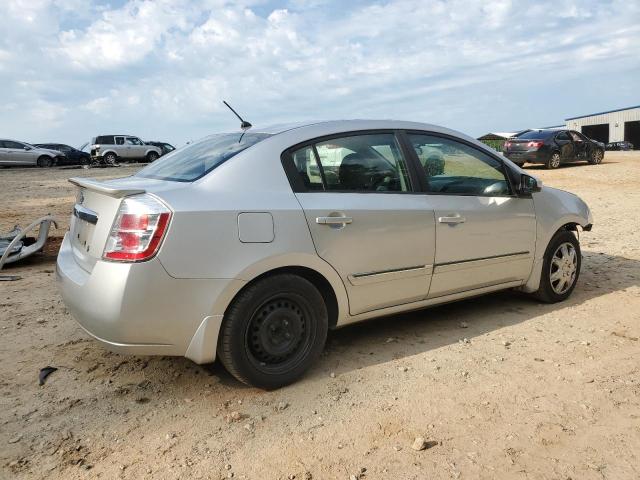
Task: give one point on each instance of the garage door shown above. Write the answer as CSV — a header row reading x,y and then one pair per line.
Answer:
x,y
597,132
632,133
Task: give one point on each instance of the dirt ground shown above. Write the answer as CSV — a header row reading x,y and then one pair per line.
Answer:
x,y
500,386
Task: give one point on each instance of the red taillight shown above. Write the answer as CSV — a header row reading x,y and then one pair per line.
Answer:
x,y
536,144
138,229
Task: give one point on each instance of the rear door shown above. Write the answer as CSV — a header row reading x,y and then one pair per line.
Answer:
x,y
365,218
485,235
121,147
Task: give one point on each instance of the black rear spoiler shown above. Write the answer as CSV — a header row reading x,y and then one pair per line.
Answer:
x,y
105,189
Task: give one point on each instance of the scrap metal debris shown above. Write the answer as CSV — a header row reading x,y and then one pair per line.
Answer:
x,y
16,245
44,373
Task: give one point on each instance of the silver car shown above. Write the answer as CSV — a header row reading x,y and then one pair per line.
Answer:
x,y
249,246
112,148
14,153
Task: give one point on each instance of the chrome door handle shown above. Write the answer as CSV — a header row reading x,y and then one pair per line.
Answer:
x,y
333,220
452,220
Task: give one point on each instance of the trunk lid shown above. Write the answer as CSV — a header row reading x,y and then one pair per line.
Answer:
x,y
96,207
520,145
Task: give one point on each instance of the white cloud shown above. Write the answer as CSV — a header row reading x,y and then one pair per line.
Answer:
x,y
163,67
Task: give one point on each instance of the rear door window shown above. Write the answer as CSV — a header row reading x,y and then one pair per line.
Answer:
x,y
354,163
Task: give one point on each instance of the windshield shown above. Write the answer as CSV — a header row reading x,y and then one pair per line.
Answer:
x,y
194,161
536,134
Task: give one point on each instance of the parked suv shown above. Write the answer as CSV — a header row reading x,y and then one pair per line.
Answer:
x,y
16,153
552,148
111,148
249,246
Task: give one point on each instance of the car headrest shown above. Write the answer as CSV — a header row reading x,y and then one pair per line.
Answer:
x,y
353,172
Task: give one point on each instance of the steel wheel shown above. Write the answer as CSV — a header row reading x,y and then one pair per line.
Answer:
x,y
278,334
563,269
273,331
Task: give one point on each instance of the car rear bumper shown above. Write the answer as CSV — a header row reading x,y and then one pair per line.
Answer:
x,y
138,308
526,157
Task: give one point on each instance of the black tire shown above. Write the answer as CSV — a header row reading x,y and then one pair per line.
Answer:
x,y
110,158
45,162
548,291
553,161
152,157
596,157
273,331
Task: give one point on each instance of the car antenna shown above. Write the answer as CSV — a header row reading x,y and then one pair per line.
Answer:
x,y
244,125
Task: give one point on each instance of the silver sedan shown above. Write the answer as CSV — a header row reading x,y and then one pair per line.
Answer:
x,y
14,153
249,246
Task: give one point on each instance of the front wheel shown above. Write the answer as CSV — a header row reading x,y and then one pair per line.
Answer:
x,y
560,268
596,157
554,161
273,331
152,157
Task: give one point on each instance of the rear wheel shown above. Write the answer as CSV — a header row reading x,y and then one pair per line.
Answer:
x,y
560,269
553,161
45,162
596,157
273,331
152,157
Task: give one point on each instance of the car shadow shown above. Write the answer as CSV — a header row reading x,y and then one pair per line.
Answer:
x,y
389,338
403,335
533,166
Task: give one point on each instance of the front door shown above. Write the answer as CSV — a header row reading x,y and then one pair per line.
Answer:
x,y
580,145
565,144
485,235
136,147
365,219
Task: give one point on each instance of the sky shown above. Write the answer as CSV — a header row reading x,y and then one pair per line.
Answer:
x,y
73,69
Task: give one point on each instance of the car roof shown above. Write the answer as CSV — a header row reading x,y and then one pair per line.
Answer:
x,y
329,127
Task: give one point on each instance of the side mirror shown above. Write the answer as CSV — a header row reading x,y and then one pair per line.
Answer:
x,y
27,148
529,184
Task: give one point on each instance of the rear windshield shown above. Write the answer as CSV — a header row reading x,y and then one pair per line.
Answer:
x,y
536,134
194,161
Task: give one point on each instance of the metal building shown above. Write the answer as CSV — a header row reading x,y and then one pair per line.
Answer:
x,y
611,126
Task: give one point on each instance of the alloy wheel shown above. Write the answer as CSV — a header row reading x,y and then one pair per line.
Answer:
x,y
597,157
555,160
564,266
